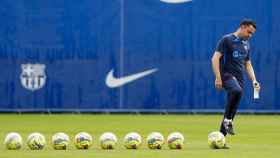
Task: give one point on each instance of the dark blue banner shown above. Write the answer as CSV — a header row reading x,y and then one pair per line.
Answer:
x,y
127,55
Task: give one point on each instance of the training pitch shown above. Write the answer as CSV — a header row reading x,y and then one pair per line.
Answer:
x,y
258,136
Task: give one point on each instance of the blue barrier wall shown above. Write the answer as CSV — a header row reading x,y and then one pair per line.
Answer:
x,y
55,55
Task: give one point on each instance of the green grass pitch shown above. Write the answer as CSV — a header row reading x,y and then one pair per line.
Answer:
x,y
258,136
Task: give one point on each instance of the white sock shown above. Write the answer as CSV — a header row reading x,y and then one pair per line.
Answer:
x,y
227,120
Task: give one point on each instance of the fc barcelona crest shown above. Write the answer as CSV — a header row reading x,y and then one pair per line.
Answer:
x,y
33,76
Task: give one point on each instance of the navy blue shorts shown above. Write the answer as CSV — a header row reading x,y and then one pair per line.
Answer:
x,y
230,83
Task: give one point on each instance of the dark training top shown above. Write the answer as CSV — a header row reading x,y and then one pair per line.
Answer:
x,y
235,52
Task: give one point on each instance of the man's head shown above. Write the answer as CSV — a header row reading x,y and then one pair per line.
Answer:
x,y
247,28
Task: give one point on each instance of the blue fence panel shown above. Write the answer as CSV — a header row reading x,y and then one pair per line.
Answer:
x,y
56,55
77,42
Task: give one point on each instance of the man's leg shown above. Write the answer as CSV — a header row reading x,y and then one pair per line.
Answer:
x,y
234,94
233,99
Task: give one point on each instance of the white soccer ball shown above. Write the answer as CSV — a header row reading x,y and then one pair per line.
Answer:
x,y
132,140
216,140
108,140
60,141
36,141
13,141
175,140
155,140
83,140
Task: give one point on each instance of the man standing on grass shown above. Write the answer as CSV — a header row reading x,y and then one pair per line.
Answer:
x,y
230,60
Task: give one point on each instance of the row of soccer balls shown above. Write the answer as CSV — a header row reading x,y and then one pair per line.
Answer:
x,y
108,140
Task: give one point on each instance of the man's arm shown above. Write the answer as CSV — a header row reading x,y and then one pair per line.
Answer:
x,y
216,69
251,74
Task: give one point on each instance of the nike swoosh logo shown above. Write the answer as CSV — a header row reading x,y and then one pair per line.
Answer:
x,y
175,1
114,82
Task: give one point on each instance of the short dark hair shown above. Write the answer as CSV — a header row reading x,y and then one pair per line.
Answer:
x,y
248,22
